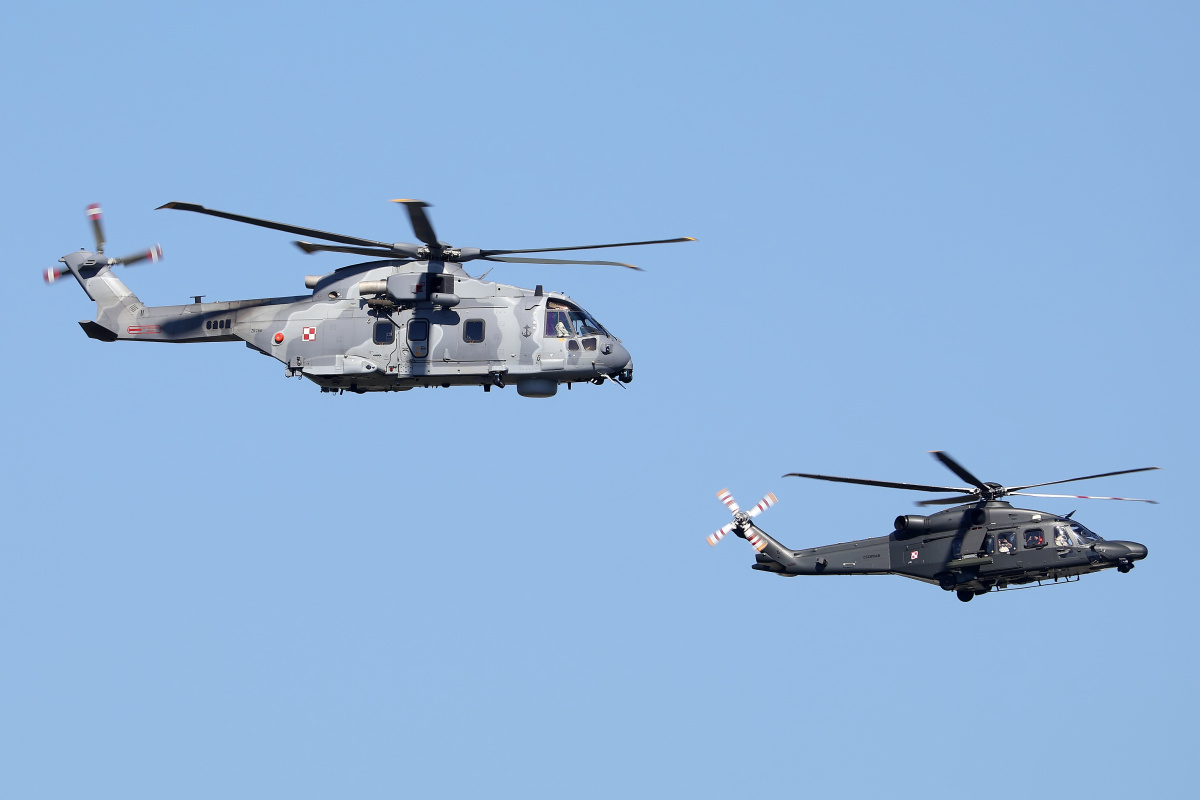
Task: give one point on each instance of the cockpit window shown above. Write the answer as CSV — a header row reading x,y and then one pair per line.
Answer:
x,y
1063,536
558,325
1083,534
585,325
564,320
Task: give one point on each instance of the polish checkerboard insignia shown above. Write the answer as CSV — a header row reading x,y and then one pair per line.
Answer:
x,y
310,334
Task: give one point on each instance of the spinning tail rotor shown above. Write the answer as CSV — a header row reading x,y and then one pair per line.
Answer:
x,y
95,261
741,520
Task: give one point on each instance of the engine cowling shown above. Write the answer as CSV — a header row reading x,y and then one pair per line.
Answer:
x,y
911,525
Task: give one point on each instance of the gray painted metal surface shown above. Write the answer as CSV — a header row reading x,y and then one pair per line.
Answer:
x,y
389,324
970,549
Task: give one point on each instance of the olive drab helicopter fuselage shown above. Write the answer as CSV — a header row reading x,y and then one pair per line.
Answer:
x,y
971,549
392,324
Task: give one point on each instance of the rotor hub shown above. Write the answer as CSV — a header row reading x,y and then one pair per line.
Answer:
x,y
993,491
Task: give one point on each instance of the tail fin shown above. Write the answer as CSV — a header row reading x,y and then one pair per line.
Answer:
x,y
116,305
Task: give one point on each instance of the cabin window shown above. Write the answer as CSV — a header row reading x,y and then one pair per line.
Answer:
x,y
385,333
418,330
473,331
1034,538
1006,542
572,345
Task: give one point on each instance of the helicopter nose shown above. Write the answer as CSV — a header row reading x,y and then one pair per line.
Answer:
x,y
1120,551
618,359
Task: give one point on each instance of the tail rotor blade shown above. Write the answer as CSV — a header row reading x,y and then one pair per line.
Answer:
x,y
51,274
95,214
756,541
154,255
725,497
718,535
763,504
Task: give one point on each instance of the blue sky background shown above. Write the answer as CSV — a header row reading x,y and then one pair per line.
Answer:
x,y
968,227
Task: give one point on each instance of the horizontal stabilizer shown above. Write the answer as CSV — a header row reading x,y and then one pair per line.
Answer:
x,y
95,330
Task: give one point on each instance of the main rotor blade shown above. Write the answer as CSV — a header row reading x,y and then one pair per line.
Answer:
x,y
560,261
1016,489
949,501
420,222
279,226
1085,497
958,469
886,484
486,253
392,252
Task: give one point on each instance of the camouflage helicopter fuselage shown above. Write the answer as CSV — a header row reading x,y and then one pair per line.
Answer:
x,y
382,326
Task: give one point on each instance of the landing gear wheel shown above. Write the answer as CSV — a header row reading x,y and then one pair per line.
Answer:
x,y
947,581
966,595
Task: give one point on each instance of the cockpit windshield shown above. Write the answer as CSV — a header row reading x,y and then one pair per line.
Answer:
x,y
564,320
1072,534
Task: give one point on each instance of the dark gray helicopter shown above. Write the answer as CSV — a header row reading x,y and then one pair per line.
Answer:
x,y
411,317
981,546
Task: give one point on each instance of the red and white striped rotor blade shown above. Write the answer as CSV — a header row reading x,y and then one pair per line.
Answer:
x,y
725,497
756,541
153,255
764,504
713,538
1086,497
95,215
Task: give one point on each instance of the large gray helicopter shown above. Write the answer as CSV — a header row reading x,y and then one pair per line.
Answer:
x,y
410,317
983,545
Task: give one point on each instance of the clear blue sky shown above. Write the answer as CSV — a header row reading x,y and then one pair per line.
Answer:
x,y
969,227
